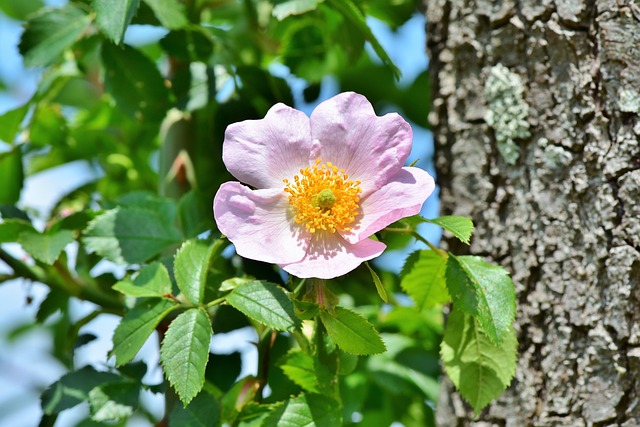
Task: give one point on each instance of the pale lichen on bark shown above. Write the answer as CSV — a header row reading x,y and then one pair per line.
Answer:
x,y
507,111
565,217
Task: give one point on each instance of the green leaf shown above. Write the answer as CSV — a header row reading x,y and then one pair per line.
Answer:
x,y
48,126
50,33
234,282
298,366
45,247
130,235
202,411
351,12
326,362
54,301
423,278
113,17
294,7
194,214
460,226
480,369
305,310
484,291
379,286
73,388
10,229
113,402
185,351
136,326
253,415
20,10
135,83
12,212
170,13
11,176
306,410
395,372
352,332
10,123
152,281
265,303
241,394
163,206
191,266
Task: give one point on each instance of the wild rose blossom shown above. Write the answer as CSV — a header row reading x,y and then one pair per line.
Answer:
x,y
322,185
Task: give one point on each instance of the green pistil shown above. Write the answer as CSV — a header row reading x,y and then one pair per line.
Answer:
x,y
324,199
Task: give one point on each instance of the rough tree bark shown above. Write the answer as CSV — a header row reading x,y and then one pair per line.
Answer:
x,y
565,217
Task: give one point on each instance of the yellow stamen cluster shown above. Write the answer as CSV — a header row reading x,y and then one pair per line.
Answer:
x,y
323,197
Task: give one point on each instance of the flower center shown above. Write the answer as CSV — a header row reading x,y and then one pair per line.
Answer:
x,y
323,197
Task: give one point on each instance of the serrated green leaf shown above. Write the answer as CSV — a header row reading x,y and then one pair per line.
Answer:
x,y
10,229
170,13
234,282
191,266
136,326
480,369
298,366
113,17
306,410
265,303
185,351
164,207
73,388
11,176
202,411
352,332
459,226
294,7
135,83
130,235
45,247
152,281
379,286
305,310
50,32
10,123
358,20
423,278
484,291
113,402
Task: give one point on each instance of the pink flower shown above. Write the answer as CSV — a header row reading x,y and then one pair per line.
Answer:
x,y
323,185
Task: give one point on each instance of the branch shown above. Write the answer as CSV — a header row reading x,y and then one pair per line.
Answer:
x,y
59,277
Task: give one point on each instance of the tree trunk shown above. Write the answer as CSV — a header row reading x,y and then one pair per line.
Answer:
x,y
564,218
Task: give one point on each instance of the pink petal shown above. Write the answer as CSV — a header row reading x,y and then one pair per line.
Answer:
x,y
401,197
329,256
369,148
262,153
258,223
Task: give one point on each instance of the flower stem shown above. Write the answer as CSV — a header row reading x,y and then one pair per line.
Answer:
x,y
416,236
216,301
267,338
